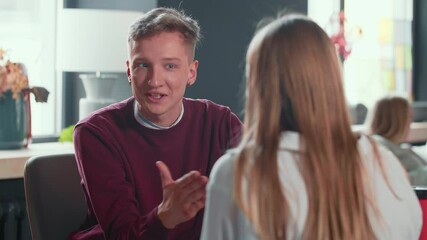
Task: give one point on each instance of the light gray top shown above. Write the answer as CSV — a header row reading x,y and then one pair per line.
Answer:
x,y
415,165
401,219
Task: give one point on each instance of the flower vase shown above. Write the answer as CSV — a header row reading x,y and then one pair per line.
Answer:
x,y
14,121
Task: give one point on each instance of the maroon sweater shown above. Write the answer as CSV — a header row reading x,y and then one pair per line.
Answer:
x,y
116,158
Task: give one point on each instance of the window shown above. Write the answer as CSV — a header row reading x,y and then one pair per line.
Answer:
x,y
381,59
379,35
27,33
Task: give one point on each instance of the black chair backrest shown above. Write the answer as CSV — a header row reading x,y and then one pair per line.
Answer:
x,y
421,191
55,201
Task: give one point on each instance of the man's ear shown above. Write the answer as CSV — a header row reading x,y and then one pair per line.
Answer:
x,y
192,75
128,70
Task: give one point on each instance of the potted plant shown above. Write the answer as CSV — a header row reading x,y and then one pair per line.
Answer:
x,y
15,110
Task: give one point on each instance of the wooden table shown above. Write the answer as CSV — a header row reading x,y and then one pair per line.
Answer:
x,y
12,162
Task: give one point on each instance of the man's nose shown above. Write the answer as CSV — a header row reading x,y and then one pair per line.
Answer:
x,y
155,77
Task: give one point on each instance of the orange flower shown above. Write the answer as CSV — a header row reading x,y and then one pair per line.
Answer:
x,y
12,77
2,52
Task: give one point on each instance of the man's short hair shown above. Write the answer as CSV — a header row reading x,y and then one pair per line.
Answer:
x,y
166,20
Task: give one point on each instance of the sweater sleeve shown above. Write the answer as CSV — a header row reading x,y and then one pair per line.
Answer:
x,y
109,191
235,130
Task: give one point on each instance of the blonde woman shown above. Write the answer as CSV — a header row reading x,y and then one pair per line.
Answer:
x,y
390,125
300,172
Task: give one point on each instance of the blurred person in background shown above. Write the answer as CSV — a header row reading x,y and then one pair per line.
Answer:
x,y
390,124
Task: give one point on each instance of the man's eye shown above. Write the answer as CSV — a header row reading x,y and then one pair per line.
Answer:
x,y
142,65
170,66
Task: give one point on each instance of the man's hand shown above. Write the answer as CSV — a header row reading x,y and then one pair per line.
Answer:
x,y
182,198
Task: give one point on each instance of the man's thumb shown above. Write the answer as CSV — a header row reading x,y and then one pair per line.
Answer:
x,y
165,174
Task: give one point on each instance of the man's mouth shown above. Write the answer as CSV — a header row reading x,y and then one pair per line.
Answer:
x,y
156,96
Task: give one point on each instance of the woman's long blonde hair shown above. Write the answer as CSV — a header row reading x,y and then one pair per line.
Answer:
x,y
391,118
294,83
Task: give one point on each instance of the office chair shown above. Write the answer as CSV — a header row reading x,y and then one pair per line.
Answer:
x,y
358,113
55,201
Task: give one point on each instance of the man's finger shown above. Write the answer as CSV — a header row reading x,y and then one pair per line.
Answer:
x,y
197,205
188,178
165,174
195,190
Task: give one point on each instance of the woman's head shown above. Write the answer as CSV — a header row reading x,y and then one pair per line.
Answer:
x,y
294,77
391,118
294,83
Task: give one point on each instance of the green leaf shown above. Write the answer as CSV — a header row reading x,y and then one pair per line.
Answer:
x,y
67,134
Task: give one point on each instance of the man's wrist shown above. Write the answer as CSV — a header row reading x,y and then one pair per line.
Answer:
x,y
164,218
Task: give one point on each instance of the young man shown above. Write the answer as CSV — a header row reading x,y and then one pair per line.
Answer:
x,y
144,160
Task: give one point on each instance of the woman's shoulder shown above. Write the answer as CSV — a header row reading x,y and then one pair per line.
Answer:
x,y
370,147
222,174
410,160
390,188
386,172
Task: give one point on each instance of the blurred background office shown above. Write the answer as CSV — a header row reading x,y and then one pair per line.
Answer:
x,y
381,44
